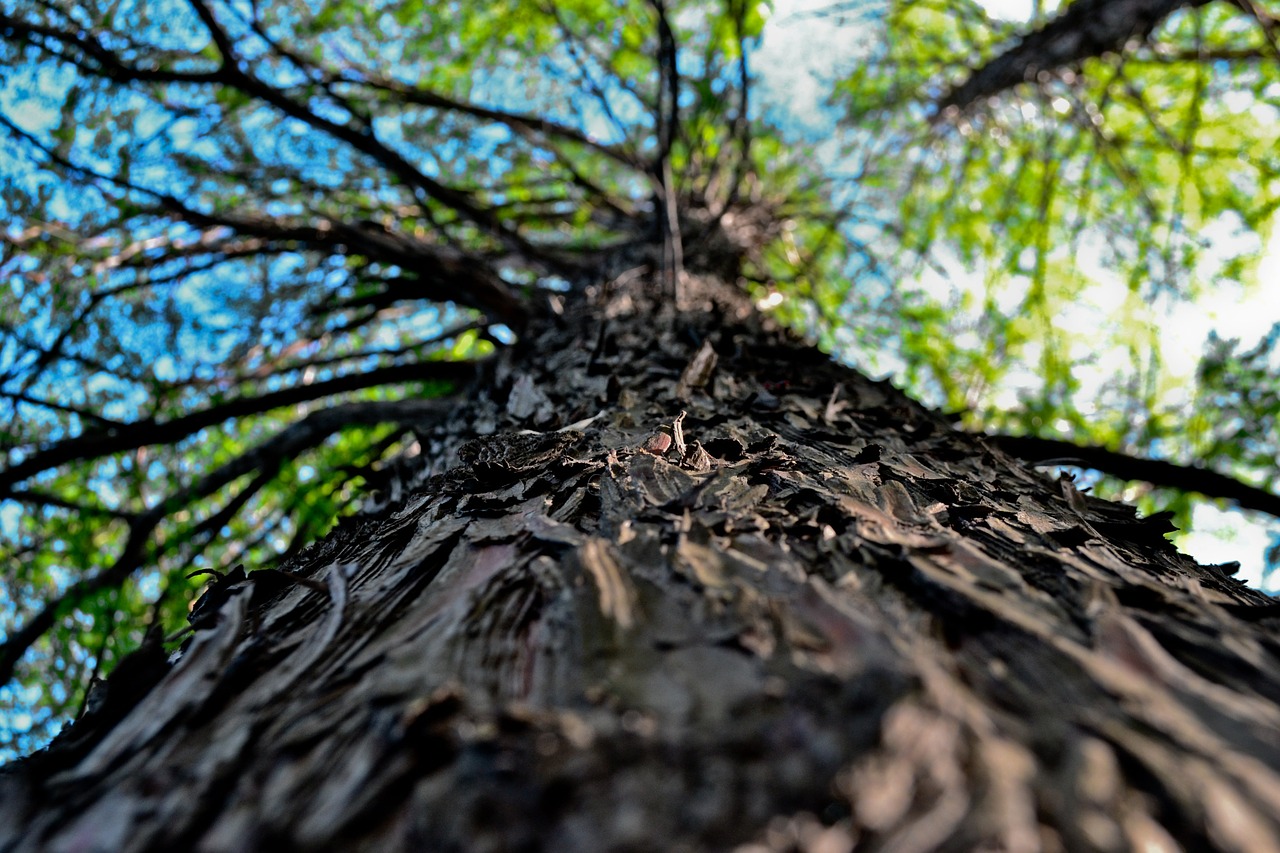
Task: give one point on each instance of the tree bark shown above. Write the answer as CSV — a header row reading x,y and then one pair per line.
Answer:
x,y
673,580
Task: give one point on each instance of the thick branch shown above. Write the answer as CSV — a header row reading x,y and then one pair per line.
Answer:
x,y
444,273
1189,478
105,443
668,102
667,119
1087,28
741,127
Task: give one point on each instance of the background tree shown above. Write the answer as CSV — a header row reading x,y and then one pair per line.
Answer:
x,y
248,247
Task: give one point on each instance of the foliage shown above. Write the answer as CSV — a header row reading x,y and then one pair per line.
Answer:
x,y
1055,232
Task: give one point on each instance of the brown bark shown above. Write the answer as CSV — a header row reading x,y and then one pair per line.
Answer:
x,y
805,615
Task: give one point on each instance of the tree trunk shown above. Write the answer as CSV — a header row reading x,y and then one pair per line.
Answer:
x,y
696,586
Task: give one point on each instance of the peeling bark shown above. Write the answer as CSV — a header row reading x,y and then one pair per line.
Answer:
x,y
820,620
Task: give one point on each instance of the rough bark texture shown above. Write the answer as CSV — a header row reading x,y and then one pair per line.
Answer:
x,y
806,615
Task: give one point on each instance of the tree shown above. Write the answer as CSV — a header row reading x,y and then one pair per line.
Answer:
x,y
645,570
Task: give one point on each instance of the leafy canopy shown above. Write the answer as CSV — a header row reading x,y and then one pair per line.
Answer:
x,y
1061,247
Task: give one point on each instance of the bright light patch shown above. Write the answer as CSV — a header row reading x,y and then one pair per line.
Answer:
x,y
773,300
503,333
1221,536
10,512
1008,10
800,53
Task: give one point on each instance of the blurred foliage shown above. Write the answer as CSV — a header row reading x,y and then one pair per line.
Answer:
x,y
1043,242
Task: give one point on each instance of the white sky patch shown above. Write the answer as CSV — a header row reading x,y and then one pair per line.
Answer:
x,y
1016,10
1008,10
799,54
10,512
1230,309
1223,536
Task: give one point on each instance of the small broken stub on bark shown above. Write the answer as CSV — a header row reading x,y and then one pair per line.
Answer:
x,y
698,372
677,434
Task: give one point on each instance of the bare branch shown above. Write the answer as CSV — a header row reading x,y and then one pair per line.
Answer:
x,y
1158,472
32,497
91,57
527,125
1087,28
146,433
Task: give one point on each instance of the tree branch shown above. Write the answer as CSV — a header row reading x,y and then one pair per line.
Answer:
x,y
667,121
527,125
286,444
1158,472
94,59
1087,28
145,433
361,139
446,274
35,498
